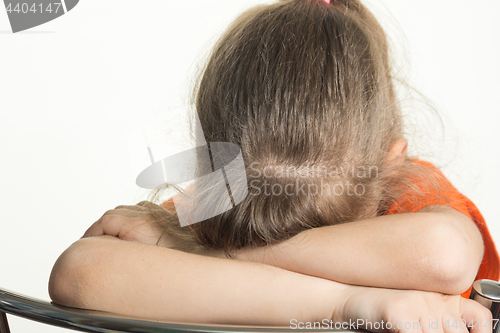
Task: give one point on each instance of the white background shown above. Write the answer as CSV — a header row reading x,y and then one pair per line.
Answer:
x,y
72,90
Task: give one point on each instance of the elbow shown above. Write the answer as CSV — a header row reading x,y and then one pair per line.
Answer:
x,y
457,256
67,279
454,277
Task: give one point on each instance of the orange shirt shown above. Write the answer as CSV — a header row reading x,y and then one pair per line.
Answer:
x,y
490,266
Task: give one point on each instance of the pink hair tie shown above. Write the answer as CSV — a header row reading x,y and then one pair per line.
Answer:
x,y
327,1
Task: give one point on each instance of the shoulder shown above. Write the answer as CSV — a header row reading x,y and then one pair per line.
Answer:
x,y
426,186
431,191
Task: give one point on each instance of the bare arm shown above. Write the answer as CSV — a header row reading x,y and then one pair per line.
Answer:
x,y
436,249
108,274
152,282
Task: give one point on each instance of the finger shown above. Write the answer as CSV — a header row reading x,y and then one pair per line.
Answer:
x,y
112,221
94,230
432,324
107,225
454,324
477,316
124,227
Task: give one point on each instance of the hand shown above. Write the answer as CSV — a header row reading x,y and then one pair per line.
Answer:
x,y
413,311
131,223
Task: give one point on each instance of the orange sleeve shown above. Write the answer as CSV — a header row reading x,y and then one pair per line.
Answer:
x,y
449,195
169,204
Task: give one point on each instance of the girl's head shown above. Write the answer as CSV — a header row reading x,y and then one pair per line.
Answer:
x,y
304,88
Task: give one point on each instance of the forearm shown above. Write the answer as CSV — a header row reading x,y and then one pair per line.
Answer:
x,y
107,274
421,251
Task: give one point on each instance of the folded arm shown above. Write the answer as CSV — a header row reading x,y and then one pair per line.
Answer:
x,y
151,282
436,249
141,280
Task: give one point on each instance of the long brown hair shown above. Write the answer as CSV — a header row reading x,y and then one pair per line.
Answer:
x,y
305,87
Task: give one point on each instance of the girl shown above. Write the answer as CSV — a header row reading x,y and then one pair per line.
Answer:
x,y
303,86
